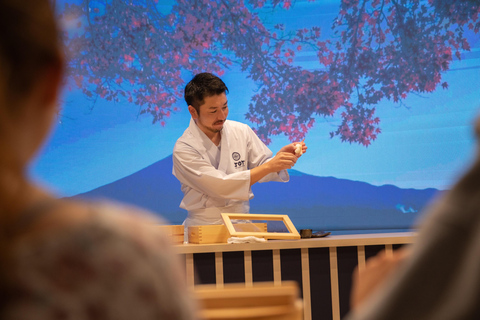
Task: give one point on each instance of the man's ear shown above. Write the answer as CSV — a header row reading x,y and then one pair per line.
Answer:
x,y
193,112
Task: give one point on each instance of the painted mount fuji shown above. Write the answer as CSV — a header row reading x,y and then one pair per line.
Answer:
x,y
319,203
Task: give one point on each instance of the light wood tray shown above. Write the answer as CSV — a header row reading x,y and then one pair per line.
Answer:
x,y
218,233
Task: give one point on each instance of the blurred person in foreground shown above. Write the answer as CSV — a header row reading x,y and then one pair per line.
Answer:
x,y
436,278
63,259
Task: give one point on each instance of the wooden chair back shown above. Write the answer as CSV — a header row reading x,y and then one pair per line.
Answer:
x,y
260,301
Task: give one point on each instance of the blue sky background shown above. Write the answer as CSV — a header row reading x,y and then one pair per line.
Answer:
x,y
427,142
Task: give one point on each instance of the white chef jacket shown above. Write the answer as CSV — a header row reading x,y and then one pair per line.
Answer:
x,y
209,191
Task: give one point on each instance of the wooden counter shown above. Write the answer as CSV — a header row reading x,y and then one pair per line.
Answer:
x,y
322,266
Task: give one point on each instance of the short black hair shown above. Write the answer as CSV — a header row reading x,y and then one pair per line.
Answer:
x,y
203,85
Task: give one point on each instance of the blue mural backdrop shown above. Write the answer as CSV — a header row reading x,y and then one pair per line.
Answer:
x,y
383,92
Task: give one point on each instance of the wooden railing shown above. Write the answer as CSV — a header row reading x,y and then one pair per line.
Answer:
x,y
361,241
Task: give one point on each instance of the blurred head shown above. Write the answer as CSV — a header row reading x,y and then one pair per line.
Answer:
x,y
31,65
201,86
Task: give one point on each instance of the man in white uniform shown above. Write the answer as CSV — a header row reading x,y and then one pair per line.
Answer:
x,y
217,160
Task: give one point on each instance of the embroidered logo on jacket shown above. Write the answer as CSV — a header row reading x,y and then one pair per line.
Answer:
x,y
236,157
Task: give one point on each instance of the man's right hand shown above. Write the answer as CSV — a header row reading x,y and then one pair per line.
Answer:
x,y
282,161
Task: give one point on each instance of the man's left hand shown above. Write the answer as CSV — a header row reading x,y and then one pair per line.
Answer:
x,y
291,147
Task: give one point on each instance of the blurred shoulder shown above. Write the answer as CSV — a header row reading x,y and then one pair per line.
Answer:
x,y
69,219
99,251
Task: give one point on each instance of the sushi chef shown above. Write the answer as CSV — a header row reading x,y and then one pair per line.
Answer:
x,y
218,160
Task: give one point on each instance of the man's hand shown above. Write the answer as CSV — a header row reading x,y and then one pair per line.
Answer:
x,y
285,159
376,270
282,161
290,148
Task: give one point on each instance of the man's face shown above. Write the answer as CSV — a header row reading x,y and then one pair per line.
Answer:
x,y
212,115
